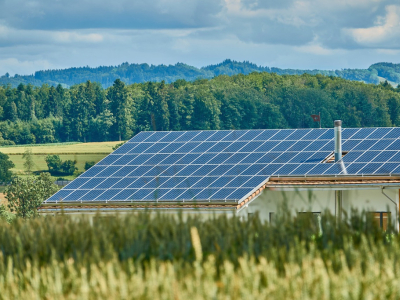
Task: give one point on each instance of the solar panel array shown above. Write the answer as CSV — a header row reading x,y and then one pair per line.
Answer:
x,y
227,165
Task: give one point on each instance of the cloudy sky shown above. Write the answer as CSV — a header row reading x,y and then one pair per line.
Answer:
x,y
307,34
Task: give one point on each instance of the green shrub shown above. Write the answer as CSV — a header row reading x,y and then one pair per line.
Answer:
x,y
89,164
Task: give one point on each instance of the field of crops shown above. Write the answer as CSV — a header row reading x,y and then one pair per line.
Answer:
x,y
81,152
142,256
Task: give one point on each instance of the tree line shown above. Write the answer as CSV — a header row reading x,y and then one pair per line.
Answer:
x,y
139,73
87,112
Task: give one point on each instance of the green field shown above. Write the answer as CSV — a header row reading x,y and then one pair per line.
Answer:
x,y
81,152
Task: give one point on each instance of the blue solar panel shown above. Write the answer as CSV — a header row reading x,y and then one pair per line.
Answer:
x,y
220,170
384,156
172,136
156,137
370,168
365,145
187,136
349,132
76,195
173,170
92,183
156,159
281,135
219,147
238,181
60,195
387,168
266,134
204,182
251,146
285,157
125,148
141,148
228,164
239,193
124,171
298,134
189,146
190,194
287,169
220,158
394,146
393,134
250,135
395,158
299,146
222,193
77,183
202,136
313,134
219,135
221,181
141,136
368,156
109,160
381,145
327,135
173,147
173,194
267,146
139,160
379,133
172,158
363,133
252,157
91,195
124,194
283,146
235,146
203,159
303,169
234,135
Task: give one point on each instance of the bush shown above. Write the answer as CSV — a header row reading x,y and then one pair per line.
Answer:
x,y
57,166
89,164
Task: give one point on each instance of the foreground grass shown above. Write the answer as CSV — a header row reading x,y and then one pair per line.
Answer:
x,y
142,256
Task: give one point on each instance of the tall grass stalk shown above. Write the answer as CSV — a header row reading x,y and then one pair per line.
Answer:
x,y
143,256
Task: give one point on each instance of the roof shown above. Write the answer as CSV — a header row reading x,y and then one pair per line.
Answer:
x,y
227,166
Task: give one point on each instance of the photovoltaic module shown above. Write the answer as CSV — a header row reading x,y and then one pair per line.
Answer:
x,y
228,165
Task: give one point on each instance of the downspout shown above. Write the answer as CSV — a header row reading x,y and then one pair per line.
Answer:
x,y
338,157
394,202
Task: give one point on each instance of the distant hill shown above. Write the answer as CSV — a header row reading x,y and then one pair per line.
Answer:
x,y
137,73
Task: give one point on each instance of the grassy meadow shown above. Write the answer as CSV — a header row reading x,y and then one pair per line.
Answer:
x,y
143,256
81,152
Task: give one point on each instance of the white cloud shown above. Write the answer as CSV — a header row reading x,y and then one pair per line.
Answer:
x,y
385,34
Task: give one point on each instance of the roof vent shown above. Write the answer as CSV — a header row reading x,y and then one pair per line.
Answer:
x,y
338,140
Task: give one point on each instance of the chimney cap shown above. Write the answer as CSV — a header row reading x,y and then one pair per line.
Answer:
x,y
338,123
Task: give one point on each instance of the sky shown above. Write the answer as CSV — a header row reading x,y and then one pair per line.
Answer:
x,y
307,34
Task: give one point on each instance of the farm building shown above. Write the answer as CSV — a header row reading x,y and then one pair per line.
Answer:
x,y
243,172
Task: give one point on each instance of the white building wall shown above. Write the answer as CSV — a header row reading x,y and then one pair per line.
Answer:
x,y
269,201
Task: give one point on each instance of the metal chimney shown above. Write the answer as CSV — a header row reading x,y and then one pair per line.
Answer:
x,y
338,140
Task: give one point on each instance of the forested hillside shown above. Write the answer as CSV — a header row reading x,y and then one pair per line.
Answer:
x,y
139,73
87,112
